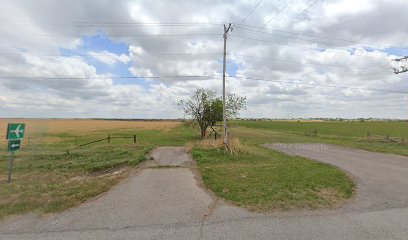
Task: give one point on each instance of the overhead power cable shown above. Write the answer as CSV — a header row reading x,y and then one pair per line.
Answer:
x,y
321,85
334,51
291,37
94,23
111,77
252,11
137,35
306,63
209,76
309,7
91,54
334,38
266,24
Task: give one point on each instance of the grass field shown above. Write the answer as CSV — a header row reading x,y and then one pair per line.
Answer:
x,y
47,179
263,180
349,134
354,129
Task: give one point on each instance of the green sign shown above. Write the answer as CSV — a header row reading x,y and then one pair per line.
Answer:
x,y
15,131
14,145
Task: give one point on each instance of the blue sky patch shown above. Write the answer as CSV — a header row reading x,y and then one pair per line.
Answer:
x,y
99,43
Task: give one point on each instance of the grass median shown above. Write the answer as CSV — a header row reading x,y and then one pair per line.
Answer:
x,y
264,180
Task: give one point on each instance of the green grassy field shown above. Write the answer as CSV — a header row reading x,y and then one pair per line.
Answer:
x,y
353,129
47,179
263,180
349,134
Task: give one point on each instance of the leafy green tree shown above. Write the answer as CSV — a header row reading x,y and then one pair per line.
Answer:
x,y
205,109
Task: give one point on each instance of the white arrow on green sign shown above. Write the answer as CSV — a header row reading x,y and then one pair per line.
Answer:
x,y
14,145
15,131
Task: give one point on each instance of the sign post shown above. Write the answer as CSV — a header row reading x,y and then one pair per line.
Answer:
x,y
15,134
11,159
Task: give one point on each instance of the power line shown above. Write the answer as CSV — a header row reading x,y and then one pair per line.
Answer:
x,y
107,54
266,24
238,25
309,7
135,35
300,62
112,77
252,11
279,12
94,23
322,85
301,46
292,37
209,76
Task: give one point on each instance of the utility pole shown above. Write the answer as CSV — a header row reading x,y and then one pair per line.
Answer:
x,y
403,65
224,111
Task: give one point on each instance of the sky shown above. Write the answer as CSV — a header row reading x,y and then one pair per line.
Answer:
x,y
138,59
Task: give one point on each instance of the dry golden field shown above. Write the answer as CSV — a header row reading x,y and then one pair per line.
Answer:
x,y
44,126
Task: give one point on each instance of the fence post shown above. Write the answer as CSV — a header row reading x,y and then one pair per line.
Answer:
x,y
109,138
134,139
228,139
388,137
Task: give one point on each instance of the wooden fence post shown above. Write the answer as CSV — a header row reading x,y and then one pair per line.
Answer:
x,y
109,138
388,137
134,139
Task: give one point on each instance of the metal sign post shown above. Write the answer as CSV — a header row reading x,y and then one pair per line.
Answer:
x,y
11,159
15,134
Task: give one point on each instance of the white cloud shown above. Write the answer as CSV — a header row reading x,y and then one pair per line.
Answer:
x,y
39,29
110,58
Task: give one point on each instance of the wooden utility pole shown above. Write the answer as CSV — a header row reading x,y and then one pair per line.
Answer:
x,y
224,111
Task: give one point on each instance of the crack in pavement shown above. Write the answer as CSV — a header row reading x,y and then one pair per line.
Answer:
x,y
211,209
172,225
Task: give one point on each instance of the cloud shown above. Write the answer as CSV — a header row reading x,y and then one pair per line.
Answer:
x,y
110,58
290,70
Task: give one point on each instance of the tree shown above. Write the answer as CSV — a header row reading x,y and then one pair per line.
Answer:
x,y
206,109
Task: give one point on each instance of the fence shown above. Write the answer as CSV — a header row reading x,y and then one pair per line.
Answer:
x,y
386,138
108,139
369,137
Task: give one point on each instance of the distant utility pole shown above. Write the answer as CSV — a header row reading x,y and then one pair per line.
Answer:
x,y
224,111
403,65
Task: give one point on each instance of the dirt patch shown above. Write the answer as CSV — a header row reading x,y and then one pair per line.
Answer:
x,y
329,194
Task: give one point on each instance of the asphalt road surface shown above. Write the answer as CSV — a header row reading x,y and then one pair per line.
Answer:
x,y
169,203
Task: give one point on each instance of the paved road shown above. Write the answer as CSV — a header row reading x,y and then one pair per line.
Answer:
x,y
382,179
168,203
